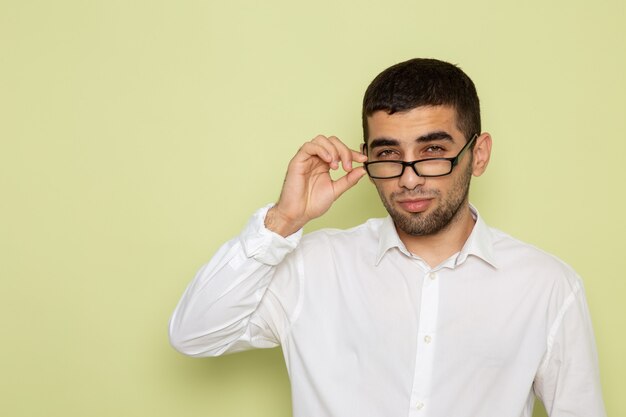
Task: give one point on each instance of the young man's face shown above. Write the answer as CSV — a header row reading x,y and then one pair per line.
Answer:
x,y
420,206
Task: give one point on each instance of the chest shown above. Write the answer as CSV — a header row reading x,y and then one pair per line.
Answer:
x,y
388,312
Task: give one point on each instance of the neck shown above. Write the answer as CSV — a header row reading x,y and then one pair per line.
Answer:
x,y
438,247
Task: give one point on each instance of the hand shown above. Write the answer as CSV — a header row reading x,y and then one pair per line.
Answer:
x,y
308,190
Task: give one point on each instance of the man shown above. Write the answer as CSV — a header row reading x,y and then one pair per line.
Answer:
x,y
428,312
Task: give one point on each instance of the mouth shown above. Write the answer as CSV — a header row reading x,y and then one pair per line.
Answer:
x,y
416,205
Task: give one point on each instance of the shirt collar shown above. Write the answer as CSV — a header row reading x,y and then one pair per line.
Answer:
x,y
479,243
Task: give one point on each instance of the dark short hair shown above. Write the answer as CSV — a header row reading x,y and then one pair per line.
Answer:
x,y
424,82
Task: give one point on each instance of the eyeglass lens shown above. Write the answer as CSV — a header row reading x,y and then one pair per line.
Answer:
x,y
389,169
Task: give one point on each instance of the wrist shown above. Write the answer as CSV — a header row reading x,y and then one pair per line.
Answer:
x,y
278,223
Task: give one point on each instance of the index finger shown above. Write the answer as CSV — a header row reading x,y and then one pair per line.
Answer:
x,y
346,154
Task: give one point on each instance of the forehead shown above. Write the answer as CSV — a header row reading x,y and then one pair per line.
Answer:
x,y
411,124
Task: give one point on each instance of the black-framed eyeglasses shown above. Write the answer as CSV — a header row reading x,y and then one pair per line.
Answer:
x,y
431,167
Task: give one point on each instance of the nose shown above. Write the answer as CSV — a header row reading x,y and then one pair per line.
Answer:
x,y
409,179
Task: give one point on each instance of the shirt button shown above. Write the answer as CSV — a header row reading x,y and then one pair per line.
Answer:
x,y
419,405
432,275
428,339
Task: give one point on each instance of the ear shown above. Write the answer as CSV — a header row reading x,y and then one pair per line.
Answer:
x,y
482,153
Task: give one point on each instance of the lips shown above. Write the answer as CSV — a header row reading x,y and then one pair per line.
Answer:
x,y
415,205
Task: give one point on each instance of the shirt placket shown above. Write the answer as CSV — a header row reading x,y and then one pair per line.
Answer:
x,y
426,342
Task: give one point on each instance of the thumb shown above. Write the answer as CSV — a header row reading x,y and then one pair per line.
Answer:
x,y
343,184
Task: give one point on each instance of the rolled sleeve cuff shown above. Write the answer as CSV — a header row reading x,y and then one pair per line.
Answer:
x,y
264,245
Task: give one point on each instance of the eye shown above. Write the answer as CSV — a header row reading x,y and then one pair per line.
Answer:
x,y
434,150
387,154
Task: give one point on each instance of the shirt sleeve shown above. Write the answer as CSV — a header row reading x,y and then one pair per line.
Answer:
x,y
568,381
221,310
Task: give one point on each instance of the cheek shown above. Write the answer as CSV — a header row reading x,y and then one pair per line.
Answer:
x,y
384,188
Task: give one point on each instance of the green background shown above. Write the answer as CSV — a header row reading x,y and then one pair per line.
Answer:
x,y
137,136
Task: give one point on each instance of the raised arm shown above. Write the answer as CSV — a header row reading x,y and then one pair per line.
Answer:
x,y
227,307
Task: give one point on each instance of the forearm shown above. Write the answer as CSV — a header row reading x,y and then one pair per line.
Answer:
x,y
214,312
216,306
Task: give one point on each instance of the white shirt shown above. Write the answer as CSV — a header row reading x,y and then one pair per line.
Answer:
x,y
370,330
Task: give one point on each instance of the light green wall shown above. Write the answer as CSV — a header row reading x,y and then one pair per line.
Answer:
x,y
136,136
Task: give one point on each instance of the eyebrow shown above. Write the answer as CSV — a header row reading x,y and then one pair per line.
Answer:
x,y
378,142
433,136
429,137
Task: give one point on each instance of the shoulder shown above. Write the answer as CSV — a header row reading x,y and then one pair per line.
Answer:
x,y
365,235
518,257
